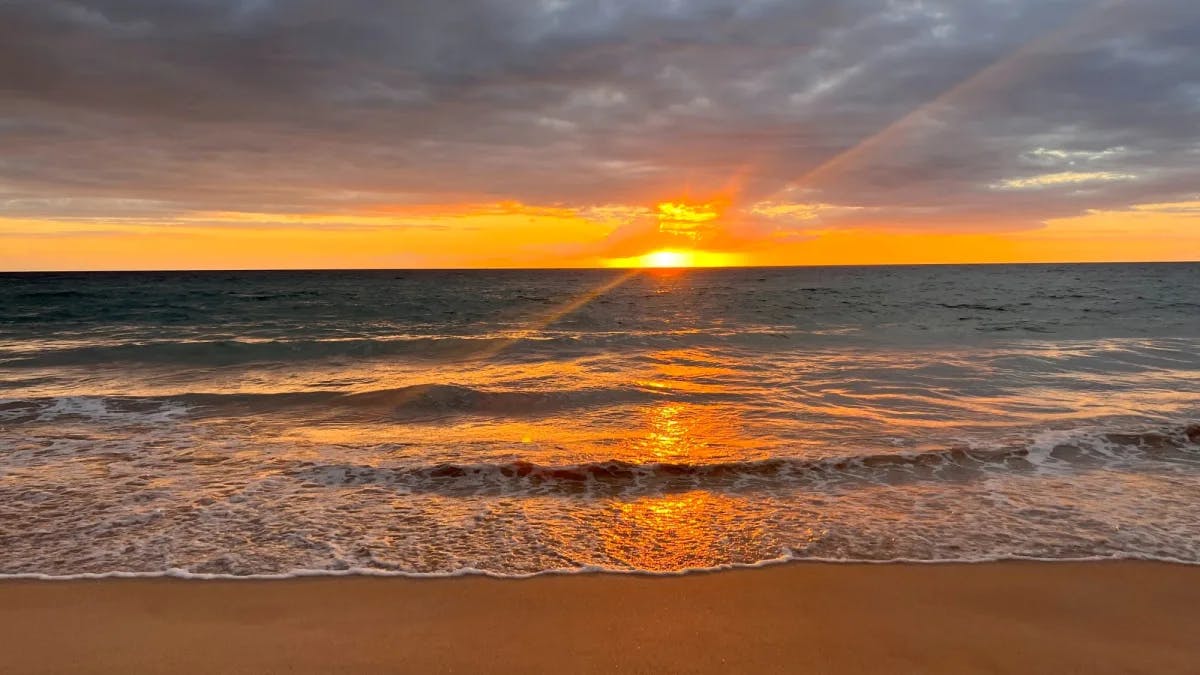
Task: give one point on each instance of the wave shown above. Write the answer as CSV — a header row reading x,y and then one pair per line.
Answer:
x,y
390,402
615,476
243,352
291,518
975,307
435,347
232,352
456,398
91,408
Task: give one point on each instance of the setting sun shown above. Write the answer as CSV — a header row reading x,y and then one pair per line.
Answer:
x,y
667,259
671,258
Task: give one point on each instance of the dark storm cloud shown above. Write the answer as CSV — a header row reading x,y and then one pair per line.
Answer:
x,y
137,107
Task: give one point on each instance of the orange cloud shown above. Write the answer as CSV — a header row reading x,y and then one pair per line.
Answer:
x,y
688,220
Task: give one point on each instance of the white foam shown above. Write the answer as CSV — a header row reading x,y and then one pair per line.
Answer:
x,y
100,409
176,573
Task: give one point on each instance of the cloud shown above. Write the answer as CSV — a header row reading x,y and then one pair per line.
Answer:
x,y
888,113
1045,180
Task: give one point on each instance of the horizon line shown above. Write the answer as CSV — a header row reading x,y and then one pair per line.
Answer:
x,y
594,268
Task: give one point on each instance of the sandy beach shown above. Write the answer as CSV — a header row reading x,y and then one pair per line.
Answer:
x,y
1120,617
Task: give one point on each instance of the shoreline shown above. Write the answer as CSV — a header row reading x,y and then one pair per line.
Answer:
x,y
473,573
801,616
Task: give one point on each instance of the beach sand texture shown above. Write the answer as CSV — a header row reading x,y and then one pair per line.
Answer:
x,y
1010,617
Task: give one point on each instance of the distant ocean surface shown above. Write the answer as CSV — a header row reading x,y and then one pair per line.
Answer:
x,y
517,422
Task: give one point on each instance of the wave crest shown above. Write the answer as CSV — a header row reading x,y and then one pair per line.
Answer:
x,y
616,476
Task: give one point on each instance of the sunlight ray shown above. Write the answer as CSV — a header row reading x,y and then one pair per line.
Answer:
x,y
1007,68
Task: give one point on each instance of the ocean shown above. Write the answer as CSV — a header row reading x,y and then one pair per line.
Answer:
x,y
520,422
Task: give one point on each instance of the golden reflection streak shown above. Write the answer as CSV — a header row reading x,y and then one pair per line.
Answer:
x,y
680,531
665,440
1008,65
677,433
669,532
691,370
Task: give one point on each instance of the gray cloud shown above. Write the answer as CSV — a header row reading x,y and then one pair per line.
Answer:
x,y
168,106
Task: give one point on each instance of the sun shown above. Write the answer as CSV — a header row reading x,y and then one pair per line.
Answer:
x,y
674,258
668,259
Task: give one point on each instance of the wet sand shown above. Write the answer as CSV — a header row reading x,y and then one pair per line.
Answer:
x,y
1119,617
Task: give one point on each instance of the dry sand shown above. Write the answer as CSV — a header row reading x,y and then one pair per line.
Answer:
x,y
1003,617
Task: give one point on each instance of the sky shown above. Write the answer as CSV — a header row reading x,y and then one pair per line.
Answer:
x,y
229,134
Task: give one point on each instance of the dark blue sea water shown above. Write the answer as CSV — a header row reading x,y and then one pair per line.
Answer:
x,y
516,422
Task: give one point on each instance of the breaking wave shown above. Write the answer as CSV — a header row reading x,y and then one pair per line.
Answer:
x,y
1060,449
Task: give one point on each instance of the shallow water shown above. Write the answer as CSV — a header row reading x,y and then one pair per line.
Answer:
x,y
523,421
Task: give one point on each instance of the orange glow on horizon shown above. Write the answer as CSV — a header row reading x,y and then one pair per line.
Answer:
x,y
531,236
676,259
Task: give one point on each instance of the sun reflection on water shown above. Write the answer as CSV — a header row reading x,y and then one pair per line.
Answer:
x,y
677,432
667,435
679,531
